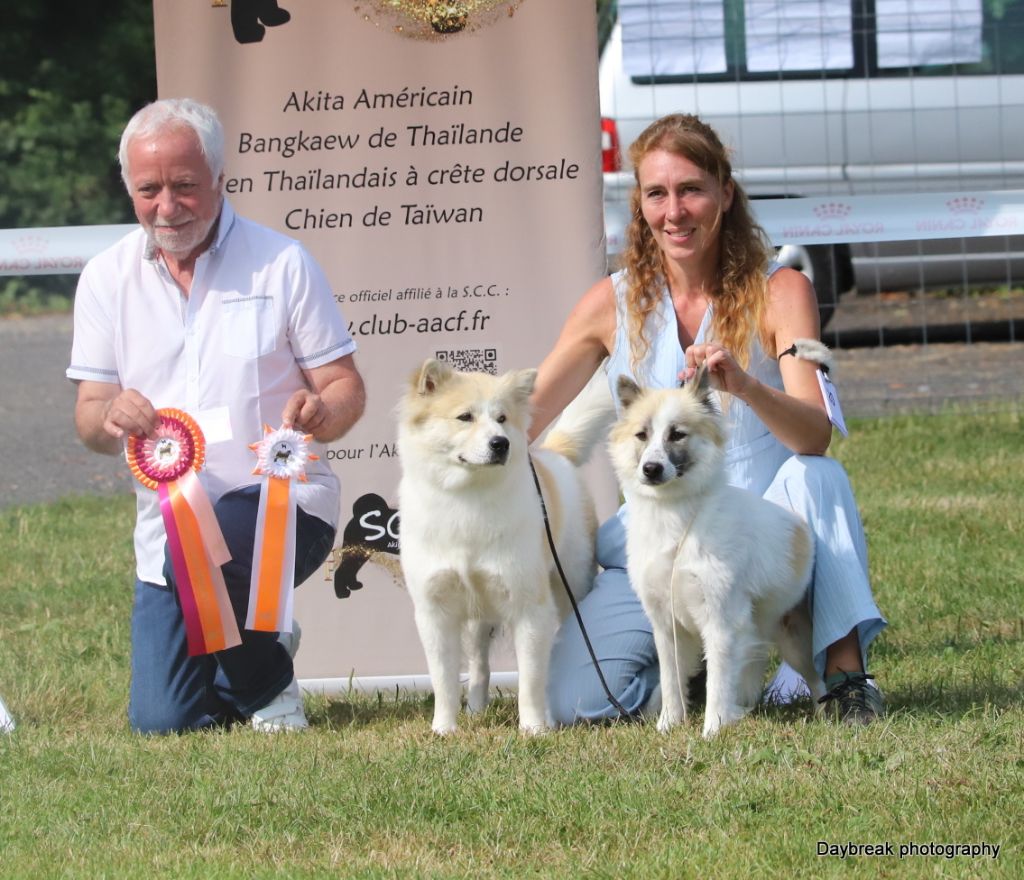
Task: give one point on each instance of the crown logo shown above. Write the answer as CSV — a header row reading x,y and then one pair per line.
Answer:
x,y
965,205
831,210
30,244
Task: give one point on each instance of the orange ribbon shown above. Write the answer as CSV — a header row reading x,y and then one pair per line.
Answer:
x,y
168,463
282,457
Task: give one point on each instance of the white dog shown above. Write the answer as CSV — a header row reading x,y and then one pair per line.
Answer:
x,y
719,570
474,550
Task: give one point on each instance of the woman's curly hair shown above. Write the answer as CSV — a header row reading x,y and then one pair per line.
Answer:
x,y
741,292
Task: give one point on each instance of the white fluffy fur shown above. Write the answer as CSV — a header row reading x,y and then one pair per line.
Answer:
x,y
740,565
474,551
816,352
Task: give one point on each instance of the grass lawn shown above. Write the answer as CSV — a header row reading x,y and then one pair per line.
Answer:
x,y
369,792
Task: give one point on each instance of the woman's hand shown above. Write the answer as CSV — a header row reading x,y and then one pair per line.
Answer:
x,y
795,415
723,370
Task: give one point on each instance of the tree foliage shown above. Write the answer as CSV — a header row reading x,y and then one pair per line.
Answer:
x,y
607,10
71,75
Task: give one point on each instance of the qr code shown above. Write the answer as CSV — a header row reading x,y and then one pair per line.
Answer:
x,y
472,360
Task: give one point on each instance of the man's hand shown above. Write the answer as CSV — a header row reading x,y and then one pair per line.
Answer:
x,y
331,405
305,411
105,414
130,413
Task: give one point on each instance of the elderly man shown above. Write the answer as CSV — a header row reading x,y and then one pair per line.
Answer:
x,y
235,325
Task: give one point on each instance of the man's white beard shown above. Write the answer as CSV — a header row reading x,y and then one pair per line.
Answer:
x,y
180,243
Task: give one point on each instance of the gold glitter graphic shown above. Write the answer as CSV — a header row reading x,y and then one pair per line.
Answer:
x,y
435,19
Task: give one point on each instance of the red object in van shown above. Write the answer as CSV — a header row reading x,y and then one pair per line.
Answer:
x,y
611,157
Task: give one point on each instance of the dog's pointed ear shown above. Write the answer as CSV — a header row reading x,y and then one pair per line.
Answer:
x,y
520,383
701,382
700,387
433,374
627,391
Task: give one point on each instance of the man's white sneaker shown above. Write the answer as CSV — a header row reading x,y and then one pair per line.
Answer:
x,y
284,712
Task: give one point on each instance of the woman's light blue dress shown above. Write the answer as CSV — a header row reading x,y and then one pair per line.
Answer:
x,y
815,487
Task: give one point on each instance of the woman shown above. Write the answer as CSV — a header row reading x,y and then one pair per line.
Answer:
x,y
699,286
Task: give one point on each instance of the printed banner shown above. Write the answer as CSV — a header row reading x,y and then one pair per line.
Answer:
x,y
442,162
904,217
837,219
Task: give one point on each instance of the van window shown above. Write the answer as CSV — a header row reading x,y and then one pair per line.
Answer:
x,y
680,41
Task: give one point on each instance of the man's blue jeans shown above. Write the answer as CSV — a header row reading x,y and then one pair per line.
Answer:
x,y
172,692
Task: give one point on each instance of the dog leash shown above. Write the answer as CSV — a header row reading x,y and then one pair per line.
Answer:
x,y
572,599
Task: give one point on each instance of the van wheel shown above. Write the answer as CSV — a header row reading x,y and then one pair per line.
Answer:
x,y
828,267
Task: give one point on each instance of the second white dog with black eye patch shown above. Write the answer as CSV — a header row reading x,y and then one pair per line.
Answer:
x,y
719,570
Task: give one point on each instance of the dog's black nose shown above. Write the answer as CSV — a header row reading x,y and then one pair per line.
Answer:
x,y
652,470
498,445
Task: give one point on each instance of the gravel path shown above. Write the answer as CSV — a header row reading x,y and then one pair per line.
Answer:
x,y
37,423
925,378
45,460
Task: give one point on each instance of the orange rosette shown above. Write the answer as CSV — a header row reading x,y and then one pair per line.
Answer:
x,y
168,463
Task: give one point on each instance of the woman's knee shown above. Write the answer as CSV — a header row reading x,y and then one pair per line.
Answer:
x,y
813,469
620,634
825,475
581,696
809,483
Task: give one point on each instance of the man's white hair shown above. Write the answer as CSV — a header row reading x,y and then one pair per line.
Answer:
x,y
176,113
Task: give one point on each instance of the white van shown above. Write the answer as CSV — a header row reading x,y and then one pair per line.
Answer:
x,y
847,97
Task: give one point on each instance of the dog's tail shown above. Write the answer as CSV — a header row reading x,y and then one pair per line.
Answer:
x,y
584,422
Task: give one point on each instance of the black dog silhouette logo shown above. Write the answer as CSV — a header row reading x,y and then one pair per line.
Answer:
x,y
251,18
371,535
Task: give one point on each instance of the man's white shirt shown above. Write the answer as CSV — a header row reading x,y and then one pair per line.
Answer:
x,y
230,354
